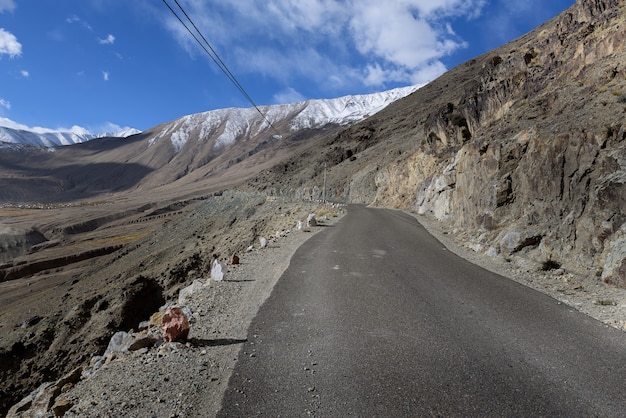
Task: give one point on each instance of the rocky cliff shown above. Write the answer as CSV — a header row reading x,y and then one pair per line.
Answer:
x,y
521,151
529,158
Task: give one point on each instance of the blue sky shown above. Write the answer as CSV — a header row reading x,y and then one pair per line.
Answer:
x,y
94,63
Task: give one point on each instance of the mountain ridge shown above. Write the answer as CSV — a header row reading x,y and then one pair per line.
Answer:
x,y
518,154
16,133
311,114
230,144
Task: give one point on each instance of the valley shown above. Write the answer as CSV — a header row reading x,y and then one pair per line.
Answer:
x,y
517,156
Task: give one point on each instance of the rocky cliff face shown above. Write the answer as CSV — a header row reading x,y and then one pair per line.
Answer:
x,y
530,159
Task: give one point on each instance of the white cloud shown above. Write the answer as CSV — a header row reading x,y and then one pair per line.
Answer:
x,y
9,44
8,5
77,19
25,73
108,40
290,95
105,75
366,41
5,103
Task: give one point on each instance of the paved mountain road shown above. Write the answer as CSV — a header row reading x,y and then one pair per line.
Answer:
x,y
374,317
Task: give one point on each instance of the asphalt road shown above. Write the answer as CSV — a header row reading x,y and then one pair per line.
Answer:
x,y
374,317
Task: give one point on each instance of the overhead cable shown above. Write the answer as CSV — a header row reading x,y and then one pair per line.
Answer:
x,y
210,51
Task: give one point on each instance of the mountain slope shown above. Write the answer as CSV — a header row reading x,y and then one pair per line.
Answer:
x,y
520,151
212,150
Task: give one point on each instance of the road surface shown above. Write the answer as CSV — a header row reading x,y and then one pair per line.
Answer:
x,y
374,317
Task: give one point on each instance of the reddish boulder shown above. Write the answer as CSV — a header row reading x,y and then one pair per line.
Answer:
x,y
175,324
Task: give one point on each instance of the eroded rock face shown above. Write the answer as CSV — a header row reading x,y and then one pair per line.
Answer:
x,y
531,158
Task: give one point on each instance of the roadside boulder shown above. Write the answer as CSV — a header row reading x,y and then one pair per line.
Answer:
x,y
175,324
217,274
119,342
234,259
311,221
185,294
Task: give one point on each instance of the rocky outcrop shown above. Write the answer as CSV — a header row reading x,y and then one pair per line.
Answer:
x,y
529,160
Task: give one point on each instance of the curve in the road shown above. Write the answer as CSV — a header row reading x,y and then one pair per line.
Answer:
x,y
374,317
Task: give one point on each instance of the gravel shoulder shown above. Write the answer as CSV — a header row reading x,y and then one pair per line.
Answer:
x,y
182,380
583,291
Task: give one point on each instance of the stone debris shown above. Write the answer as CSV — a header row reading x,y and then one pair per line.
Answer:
x,y
311,220
234,259
38,402
119,342
217,274
185,294
61,406
263,242
30,321
175,324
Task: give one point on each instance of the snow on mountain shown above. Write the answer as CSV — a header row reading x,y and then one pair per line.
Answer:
x,y
233,123
16,133
226,124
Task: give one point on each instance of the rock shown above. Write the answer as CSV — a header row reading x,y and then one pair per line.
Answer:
x,y
263,242
186,293
157,318
30,321
311,221
38,402
175,325
234,259
142,341
143,325
299,226
61,406
515,241
119,342
217,274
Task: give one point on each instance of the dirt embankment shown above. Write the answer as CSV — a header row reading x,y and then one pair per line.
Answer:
x,y
55,320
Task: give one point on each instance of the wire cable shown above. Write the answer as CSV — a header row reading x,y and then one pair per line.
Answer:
x,y
216,58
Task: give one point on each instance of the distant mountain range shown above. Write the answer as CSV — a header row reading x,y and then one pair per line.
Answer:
x,y
15,133
226,146
229,124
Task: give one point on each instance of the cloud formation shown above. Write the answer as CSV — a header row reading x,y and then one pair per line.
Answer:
x,y
337,42
7,5
105,75
5,103
9,44
77,19
109,40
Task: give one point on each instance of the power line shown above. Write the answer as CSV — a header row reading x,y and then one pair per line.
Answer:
x,y
215,57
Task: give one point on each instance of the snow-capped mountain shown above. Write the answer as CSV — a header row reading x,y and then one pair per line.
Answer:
x,y
229,125
15,133
213,149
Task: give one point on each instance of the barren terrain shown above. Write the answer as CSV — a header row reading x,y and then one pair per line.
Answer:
x,y
515,160
176,379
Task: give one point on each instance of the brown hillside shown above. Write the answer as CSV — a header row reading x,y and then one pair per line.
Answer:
x,y
520,152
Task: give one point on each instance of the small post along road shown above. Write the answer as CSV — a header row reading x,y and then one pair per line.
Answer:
x,y
374,317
